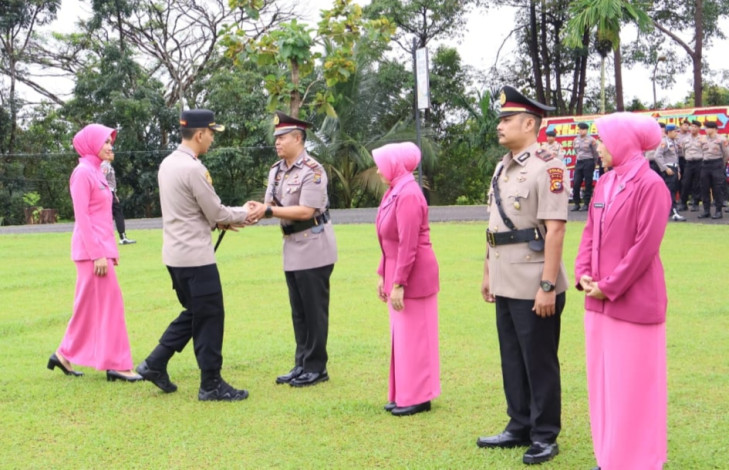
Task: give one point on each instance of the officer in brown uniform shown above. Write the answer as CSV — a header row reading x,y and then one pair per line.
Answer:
x,y
693,151
190,211
712,171
667,161
552,146
297,194
586,157
651,154
525,277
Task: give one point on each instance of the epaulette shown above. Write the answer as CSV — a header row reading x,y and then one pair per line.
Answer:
x,y
277,162
314,165
544,155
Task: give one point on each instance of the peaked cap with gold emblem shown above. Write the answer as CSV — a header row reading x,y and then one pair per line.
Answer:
x,y
283,124
199,118
513,102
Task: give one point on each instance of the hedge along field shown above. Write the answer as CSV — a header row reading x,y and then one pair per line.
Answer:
x,y
53,421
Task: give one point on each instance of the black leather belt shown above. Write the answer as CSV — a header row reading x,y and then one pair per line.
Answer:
x,y
301,225
513,236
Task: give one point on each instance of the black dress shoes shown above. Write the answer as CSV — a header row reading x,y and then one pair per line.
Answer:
x,y
540,452
222,392
410,410
54,362
157,377
575,208
114,375
718,215
390,406
309,378
505,440
293,373
704,215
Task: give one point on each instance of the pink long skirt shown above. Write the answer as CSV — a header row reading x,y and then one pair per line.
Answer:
x,y
627,389
96,335
414,360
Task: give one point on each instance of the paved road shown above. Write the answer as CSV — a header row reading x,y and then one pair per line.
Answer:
x,y
346,216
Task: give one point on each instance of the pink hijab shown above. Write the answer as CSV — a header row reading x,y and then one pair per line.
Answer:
x,y
89,140
397,162
627,136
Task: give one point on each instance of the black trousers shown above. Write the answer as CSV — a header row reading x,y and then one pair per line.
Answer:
x,y
530,368
673,184
201,294
584,171
691,182
116,212
309,298
712,183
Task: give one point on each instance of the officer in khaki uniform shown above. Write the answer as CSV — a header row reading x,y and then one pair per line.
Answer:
x,y
667,161
692,144
297,194
190,211
650,155
552,146
713,166
586,158
525,277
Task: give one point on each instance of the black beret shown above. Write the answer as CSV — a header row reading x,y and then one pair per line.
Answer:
x,y
696,123
513,102
583,125
711,125
662,124
199,118
551,133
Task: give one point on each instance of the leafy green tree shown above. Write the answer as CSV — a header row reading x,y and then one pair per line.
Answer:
x,y
18,20
291,49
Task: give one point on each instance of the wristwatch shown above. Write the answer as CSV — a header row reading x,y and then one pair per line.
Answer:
x,y
547,286
269,212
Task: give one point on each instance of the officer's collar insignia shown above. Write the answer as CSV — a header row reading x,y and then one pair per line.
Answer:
x,y
523,157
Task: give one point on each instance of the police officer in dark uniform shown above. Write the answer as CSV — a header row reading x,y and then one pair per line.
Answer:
x,y
586,157
297,195
712,171
190,211
525,277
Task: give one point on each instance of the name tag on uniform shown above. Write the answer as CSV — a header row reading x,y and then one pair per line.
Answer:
x,y
599,205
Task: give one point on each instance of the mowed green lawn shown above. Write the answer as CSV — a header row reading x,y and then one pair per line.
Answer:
x,y
53,421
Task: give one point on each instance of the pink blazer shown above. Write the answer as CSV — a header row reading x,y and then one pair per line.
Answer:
x,y
404,234
93,230
620,249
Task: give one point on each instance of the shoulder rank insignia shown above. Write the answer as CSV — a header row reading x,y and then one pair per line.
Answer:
x,y
544,155
555,180
311,163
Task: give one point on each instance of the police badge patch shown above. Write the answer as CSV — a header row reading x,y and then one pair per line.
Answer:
x,y
317,178
556,176
208,177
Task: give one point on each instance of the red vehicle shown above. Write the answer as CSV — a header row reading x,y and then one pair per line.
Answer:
x,y
566,126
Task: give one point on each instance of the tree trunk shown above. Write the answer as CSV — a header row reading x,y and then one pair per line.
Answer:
x,y
13,104
583,74
534,52
698,52
602,85
546,65
618,59
295,104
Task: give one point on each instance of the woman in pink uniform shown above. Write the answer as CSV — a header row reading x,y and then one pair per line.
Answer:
x,y
619,268
408,282
96,335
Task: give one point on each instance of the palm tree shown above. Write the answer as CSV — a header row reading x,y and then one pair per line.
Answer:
x,y
344,141
607,17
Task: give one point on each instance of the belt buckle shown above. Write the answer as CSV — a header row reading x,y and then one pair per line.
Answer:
x,y
490,238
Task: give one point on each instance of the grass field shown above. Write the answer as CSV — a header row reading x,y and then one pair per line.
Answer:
x,y
53,421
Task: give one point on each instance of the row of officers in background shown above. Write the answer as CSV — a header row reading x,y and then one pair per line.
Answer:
x,y
692,164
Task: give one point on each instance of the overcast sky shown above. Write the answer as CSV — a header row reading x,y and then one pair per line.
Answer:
x,y
478,47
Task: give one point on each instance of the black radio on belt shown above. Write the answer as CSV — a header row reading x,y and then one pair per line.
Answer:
x,y
301,225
